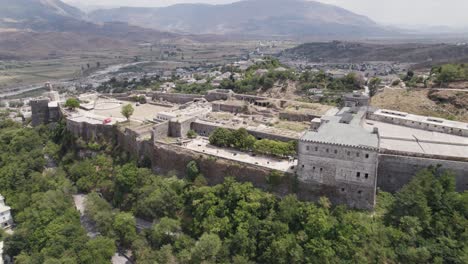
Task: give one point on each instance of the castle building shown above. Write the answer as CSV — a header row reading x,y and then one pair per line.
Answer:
x,y
6,221
343,155
359,150
347,155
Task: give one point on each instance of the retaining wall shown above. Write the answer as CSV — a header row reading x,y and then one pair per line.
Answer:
x,y
205,129
297,117
424,125
231,108
40,112
91,132
176,98
215,96
161,130
180,128
396,171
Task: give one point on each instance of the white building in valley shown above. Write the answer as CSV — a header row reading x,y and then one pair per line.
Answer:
x,y
6,221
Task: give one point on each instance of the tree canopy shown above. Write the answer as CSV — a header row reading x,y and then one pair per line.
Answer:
x,y
127,111
231,222
241,139
72,103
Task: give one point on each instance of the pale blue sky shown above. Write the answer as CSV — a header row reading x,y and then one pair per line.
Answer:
x,y
394,12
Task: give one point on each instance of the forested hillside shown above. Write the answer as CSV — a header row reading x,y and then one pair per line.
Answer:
x,y
426,222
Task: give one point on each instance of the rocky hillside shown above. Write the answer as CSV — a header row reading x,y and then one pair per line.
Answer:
x,y
35,28
337,51
248,17
445,103
38,14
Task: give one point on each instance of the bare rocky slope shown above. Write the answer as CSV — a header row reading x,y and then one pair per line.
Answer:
x,y
248,18
34,28
338,51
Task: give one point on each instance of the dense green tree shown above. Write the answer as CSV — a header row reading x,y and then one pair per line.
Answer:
x,y
165,232
231,222
98,250
206,248
125,228
192,170
127,111
72,103
374,85
221,137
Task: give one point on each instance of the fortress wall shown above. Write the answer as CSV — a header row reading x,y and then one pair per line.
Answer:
x,y
180,128
312,191
176,98
128,140
205,129
40,112
265,135
347,173
161,130
250,98
231,108
91,132
54,114
297,117
216,96
395,171
172,158
402,121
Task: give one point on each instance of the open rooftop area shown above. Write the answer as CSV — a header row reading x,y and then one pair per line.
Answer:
x,y
406,139
202,145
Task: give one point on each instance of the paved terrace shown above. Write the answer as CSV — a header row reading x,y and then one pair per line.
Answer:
x,y
406,139
83,116
202,145
420,119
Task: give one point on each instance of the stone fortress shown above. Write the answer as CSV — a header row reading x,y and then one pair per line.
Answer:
x,y
346,154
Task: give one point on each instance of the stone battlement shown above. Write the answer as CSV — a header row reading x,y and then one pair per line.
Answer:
x,y
345,156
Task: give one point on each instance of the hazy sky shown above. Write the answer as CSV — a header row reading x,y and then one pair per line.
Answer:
x,y
394,12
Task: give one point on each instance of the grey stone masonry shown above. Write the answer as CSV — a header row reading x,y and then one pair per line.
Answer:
x,y
419,122
343,155
40,112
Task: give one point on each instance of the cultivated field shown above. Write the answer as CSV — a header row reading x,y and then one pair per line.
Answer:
x,y
18,73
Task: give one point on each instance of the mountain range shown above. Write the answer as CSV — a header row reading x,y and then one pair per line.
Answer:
x,y
296,18
35,28
352,52
251,18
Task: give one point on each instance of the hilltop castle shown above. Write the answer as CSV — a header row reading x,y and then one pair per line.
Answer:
x,y
345,154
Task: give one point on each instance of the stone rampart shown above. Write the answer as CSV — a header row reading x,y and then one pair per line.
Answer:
x,y
131,142
40,112
206,128
176,98
395,171
91,132
226,107
218,95
297,117
172,158
180,127
428,124
161,131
